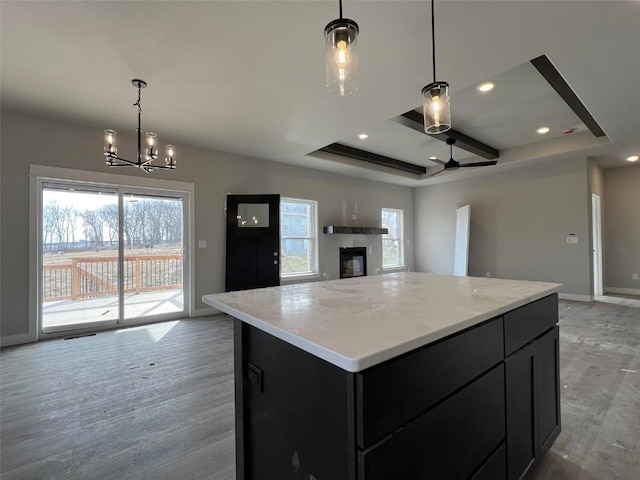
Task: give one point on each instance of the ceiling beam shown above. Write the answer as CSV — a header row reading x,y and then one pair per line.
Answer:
x,y
370,157
414,121
554,78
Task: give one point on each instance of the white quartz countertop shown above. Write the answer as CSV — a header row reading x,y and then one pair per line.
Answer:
x,y
357,323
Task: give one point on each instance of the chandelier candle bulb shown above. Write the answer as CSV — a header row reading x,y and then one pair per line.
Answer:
x,y
152,151
110,141
170,160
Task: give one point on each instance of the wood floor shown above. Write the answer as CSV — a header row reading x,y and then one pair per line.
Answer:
x,y
152,402
156,402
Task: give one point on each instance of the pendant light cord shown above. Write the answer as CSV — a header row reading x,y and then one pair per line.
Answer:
x,y
433,38
340,9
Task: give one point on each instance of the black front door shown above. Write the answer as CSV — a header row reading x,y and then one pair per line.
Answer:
x,y
253,241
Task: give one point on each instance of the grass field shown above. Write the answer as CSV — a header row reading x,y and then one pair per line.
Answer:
x,y
295,264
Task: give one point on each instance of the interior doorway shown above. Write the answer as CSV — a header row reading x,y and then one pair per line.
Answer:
x,y
461,249
596,222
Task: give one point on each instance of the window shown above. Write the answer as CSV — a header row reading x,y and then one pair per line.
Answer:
x,y
392,251
298,237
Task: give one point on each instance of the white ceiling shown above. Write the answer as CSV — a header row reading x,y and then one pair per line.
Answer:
x,y
247,77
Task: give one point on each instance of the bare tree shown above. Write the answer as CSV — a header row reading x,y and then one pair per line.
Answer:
x,y
56,221
109,216
92,223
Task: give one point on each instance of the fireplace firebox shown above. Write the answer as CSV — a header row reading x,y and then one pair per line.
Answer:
x,y
353,262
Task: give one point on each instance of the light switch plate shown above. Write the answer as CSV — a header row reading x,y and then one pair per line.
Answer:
x,y
202,244
572,239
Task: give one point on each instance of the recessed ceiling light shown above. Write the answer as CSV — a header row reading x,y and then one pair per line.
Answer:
x,y
362,136
633,158
543,130
433,158
486,86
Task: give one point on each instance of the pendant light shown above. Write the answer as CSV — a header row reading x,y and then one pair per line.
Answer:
x,y
341,55
437,108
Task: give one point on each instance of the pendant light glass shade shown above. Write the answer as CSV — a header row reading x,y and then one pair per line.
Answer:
x,y
341,56
437,108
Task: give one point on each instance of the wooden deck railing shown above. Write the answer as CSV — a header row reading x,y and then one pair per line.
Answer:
x,y
98,276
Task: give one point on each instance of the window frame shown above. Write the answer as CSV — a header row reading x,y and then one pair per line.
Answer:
x,y
399,239
312,228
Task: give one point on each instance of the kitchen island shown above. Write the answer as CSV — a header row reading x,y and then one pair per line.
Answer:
x,y
396,376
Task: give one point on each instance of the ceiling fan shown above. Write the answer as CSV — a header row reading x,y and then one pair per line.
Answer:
x,y
453,165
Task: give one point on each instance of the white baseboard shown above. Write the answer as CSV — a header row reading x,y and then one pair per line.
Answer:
x,y
577,298
203,312
624,291
9,340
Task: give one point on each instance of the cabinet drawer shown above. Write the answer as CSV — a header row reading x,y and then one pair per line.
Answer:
x,y
391,394
495,468
524,324
447,443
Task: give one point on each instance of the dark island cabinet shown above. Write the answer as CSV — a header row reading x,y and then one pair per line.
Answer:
x,y
532,401
481,404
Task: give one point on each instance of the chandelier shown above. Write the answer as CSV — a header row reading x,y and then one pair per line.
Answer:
x,y
436,102
150,153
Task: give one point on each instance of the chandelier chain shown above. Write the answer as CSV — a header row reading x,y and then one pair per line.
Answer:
x,y
137,104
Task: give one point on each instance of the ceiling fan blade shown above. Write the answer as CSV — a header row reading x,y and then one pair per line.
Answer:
x,y
435,173
479,164
437,160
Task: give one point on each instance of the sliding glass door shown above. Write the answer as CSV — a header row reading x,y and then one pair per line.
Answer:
x,y
110,255
79,248
153,255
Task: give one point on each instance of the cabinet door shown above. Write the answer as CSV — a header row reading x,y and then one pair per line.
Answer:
x,y
548,389
521,431
533,403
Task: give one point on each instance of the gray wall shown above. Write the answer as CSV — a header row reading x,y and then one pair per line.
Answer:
x,y
596,178
26,140
621,222
519,223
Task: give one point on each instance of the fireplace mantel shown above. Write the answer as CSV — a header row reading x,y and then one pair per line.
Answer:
x,y
333,229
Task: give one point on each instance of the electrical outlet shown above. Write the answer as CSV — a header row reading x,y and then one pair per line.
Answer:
x,y
634,276
488,274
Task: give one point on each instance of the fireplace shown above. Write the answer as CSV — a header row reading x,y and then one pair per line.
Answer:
x,y
353,262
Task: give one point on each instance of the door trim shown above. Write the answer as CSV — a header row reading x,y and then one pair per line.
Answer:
x,y
42,173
